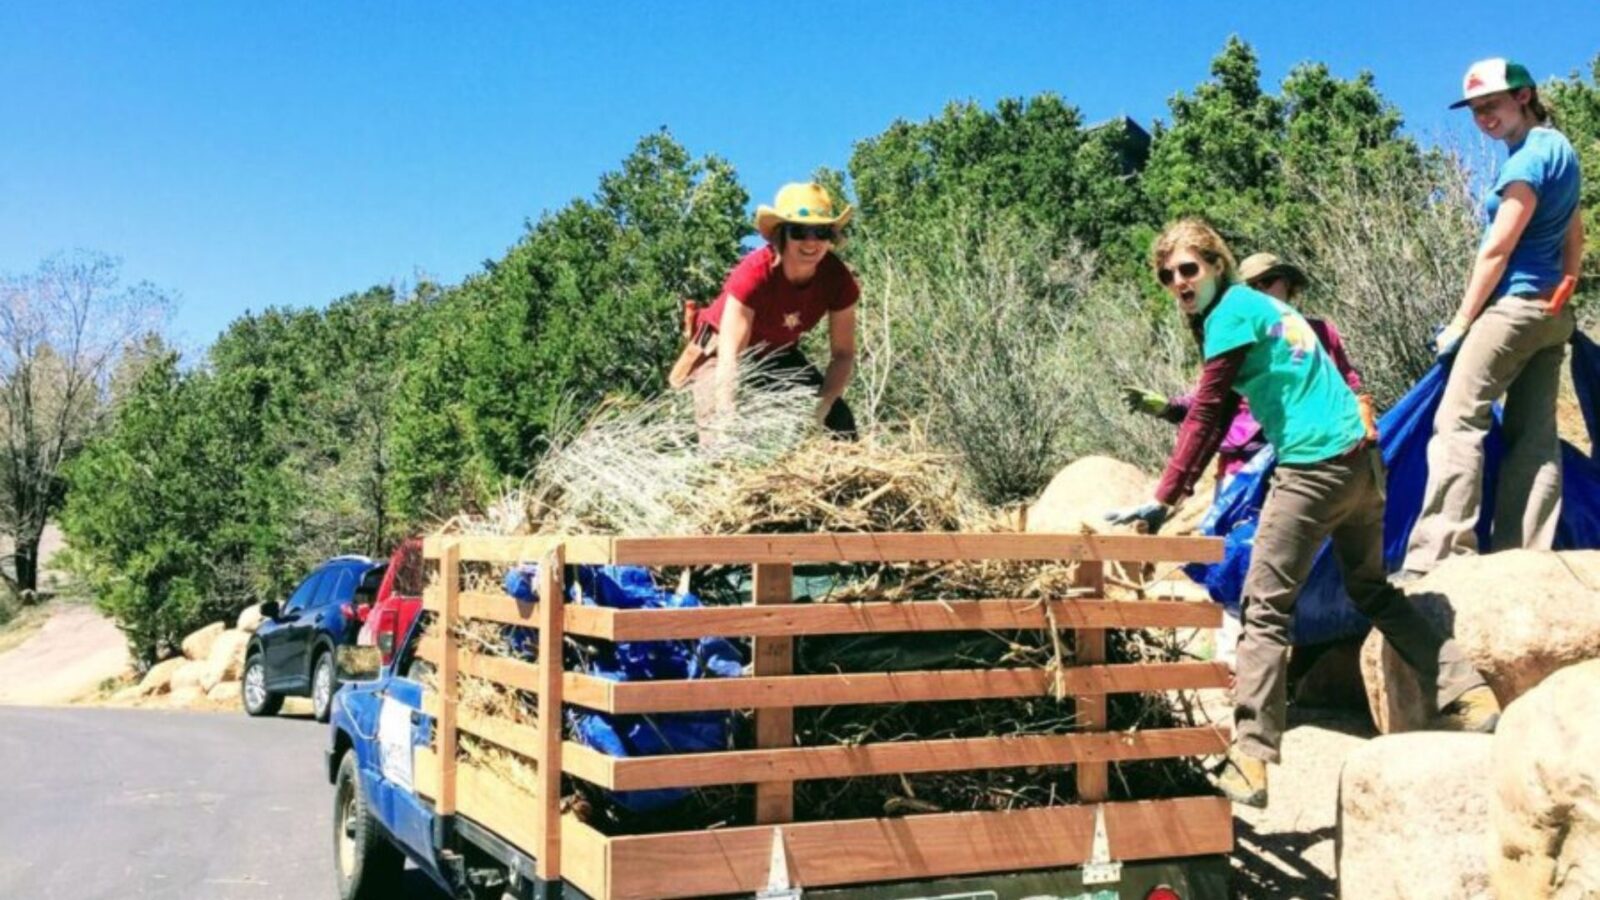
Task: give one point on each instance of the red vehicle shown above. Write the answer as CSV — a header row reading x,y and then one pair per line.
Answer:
x,y
398,600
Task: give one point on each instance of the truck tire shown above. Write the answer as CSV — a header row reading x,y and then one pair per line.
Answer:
x,y
324,684
367,866
258,701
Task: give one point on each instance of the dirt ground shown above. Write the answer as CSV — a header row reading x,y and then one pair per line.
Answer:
x,y
1287,849
68,658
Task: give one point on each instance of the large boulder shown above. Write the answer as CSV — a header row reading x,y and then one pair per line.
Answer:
x,y
186,696
226,661
1545,800
250,619
159,678
1332,677
1504,610
128,695
188,676
224,692
1081,494
1413,818
198,644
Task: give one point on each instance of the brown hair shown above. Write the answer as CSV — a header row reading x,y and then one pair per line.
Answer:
x,y
1537,109
1195,234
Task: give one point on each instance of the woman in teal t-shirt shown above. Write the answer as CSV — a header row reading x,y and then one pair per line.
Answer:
x,y
1328,484
1506,340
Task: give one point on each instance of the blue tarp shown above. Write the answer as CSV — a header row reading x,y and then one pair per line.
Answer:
x,y
1324,611
631,587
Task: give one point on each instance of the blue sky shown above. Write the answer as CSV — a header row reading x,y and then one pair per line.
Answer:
x,y
285,153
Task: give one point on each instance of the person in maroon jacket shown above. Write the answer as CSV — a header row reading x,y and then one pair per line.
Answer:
x,y
773,297
1243,439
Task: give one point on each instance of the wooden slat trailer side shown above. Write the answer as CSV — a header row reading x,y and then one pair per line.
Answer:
x,y
815,854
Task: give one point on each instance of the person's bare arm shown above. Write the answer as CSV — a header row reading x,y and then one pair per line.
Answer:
x,y
733,335
841,358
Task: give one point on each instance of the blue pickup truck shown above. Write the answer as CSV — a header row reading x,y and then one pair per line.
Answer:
x,y
380,821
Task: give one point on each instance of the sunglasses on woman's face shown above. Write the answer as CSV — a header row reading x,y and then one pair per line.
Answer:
x,y
797,232
1265,282
1186,269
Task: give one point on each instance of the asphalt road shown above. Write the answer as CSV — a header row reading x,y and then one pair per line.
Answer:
x,y
114,803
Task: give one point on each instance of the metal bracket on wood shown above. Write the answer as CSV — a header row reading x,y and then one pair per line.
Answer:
x,y
1100,867
778,887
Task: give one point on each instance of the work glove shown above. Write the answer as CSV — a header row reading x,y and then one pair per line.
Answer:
x,y
1153,514
1369,417
1142,400
1448,338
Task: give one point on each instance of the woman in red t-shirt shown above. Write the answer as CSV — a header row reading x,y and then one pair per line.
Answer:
x,y
778,293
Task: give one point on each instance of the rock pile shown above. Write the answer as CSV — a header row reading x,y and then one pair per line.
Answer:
x,y
1519,615
1516,814
1544,806
1406,798
206,673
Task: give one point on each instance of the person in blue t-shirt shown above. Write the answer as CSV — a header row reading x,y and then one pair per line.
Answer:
x,y
1507,342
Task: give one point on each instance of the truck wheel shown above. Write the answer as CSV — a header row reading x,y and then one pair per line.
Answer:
x,y
369,867
258,701
324,683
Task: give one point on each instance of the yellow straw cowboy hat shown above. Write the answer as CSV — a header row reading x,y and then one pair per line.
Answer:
x,y
808,203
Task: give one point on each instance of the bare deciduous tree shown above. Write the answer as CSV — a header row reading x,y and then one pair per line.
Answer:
x,y
66,332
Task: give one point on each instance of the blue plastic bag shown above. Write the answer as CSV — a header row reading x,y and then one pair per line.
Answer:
x,y
1324,611
631,587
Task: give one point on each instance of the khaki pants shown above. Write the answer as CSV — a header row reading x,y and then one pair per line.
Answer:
x,y
1340,498
1513,350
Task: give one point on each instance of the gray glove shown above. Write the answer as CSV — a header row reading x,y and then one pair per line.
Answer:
x,y
1153,514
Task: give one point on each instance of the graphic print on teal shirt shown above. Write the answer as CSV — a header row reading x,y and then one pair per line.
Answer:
x,y
1295,390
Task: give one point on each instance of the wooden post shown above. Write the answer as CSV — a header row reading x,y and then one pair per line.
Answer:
x,y
774,584
552,625
449,690
1093,778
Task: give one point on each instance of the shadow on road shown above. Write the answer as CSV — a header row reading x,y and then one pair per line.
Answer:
x,y
1274,868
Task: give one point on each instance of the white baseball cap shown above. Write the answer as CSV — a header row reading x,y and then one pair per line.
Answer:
x,y
1491,76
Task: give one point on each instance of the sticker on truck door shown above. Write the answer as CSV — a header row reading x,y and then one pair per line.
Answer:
x,y
394,742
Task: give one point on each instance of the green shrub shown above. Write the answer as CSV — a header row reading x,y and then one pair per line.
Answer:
x,y
1388,258
999,339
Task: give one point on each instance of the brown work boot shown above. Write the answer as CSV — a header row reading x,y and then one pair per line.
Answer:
x,y
1477,710
1244,779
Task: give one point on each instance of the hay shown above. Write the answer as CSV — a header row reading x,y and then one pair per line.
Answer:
x,y
829,485
605,481
646,466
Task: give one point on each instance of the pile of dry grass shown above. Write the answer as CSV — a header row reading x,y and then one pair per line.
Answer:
x,y
823,485
829,485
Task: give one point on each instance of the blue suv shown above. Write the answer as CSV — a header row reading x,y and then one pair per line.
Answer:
x,y
293,652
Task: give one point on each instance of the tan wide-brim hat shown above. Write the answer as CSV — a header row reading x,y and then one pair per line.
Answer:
x,y
1259,264
808,203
